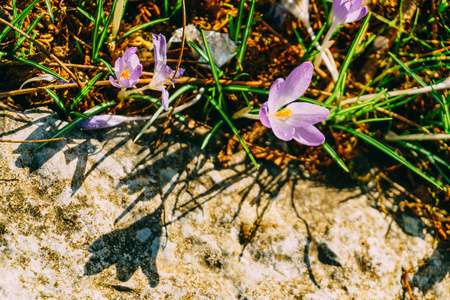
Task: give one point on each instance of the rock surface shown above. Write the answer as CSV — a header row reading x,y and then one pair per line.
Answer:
x,y
100,217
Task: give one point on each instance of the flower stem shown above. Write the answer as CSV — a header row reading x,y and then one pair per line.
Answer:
x,y
328,59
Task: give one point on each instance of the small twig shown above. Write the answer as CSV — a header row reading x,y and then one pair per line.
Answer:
x,y
399,187
406,282
33,141
183,40
181,80
40,46
407,121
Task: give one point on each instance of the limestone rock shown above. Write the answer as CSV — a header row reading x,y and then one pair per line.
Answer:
x,y
99,217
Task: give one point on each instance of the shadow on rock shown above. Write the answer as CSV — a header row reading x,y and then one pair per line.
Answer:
x,y
128,249
432,271
81,154
46,126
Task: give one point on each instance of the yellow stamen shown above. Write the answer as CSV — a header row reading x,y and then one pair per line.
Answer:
x,y
125,74
170,82
284,113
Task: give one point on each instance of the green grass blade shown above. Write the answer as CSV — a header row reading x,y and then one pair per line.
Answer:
x,y
142,27
107,65
90,112
211,62
371,120
17,19
299,39
430,156
424,152
86,14
394,155
334,156
28,31
78,114
247,101
238,21
38,66
166,7
57,100
160,110
30,50
231,25
211,133
95,35
235,131
316,40
79,48
143,97
434,94
14,5
104,31
205,57
176,8
416,77
85,90
243,88
49,8
244,39
348,59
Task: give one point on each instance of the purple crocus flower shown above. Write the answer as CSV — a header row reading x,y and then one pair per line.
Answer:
x,y
347,11
103,121
128,69
289,119
163,74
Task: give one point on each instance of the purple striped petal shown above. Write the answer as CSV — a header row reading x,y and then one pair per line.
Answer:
x,y
309,136
281,130
357,15
274,93
263,115
114,83
305,114
159,49
295,85
165,99
102,121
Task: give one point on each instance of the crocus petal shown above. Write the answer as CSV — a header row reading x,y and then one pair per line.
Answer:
x,y
263,115
129,52
114,83
281,130
356,4
294,86
309,136
119,65
134,77
357,15
159,77
336,4
159,49
133,62
125,82
274,93
102,121
340,13
180,73
165,99
305,114
347,11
